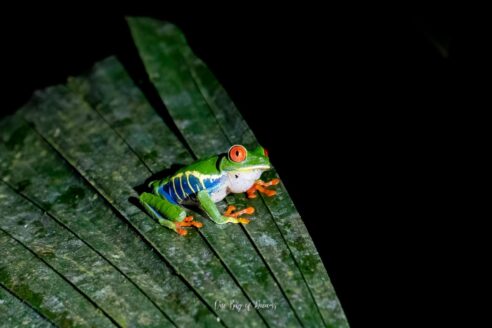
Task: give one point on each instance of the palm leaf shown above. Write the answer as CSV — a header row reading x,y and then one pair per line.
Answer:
x,y
87,142
34,281
163,48
224,241
68,256
77,206
71,161
14,312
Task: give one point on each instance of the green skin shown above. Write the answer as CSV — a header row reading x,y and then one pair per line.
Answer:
x,y
232,177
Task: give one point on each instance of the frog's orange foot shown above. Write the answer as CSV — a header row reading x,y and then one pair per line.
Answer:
x,y
188,222
229,213
260,186
231,208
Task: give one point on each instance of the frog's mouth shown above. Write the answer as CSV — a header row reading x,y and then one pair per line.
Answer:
x,y
254,167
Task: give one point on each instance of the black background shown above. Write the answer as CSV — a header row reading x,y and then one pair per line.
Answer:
x,y
357,108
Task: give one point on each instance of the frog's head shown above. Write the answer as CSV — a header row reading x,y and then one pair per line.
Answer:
x,y
239,159
244,167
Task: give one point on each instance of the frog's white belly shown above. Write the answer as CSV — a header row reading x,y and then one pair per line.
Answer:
x,y
219,194
236,182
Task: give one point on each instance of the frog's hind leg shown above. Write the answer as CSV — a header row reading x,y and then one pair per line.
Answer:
x,y
167,214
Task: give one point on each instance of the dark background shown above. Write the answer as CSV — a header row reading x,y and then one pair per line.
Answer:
x,y
358,109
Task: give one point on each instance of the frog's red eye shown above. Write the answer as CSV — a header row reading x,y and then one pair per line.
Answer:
x,y
237,153
265,151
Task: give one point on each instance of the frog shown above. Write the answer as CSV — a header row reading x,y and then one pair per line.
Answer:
x,y
206,182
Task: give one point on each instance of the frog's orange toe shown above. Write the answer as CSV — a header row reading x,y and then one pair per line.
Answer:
x,y
181,232
197,224
251,193
229,213
248,210
260,186
229,210
243,220
188,222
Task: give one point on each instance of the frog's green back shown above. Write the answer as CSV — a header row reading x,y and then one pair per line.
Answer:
x,y
205,166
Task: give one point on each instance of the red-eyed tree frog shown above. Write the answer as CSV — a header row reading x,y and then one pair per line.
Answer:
x,y
205,183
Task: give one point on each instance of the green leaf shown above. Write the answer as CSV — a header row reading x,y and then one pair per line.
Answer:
x,y
48,181
79,134
77,262
228,241
281,207
31,280
206,108
78,251
15,313
168,69
111,92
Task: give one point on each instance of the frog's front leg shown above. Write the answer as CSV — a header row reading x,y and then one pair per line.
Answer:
x,y
167,214
260,186
213,212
